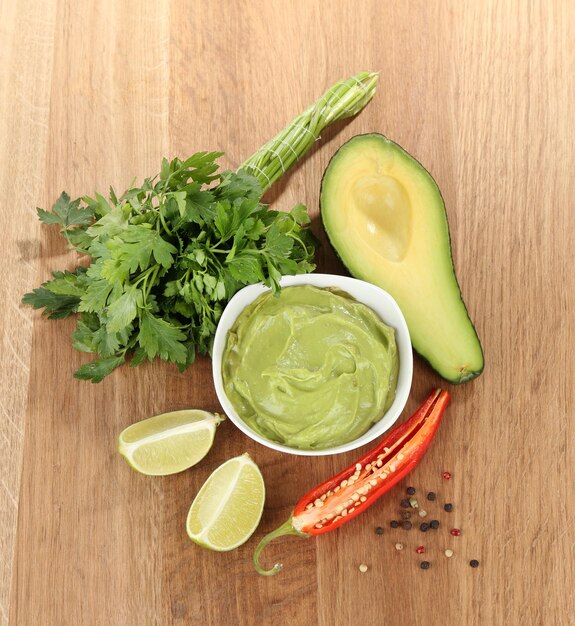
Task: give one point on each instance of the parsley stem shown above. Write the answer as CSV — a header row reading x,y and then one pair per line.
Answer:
x,y
344,99
147,288
166,228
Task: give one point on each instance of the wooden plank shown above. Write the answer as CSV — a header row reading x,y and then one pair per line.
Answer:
x,y
481,94
26,34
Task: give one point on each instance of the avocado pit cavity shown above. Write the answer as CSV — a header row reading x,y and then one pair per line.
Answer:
x,y
385,215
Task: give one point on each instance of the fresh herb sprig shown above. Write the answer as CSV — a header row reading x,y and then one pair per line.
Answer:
x,y
165,258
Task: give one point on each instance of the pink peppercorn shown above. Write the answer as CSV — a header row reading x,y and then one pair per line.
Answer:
x,y
455,532
446,475
420,549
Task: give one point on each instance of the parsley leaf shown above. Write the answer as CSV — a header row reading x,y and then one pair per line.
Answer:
x,y
56,306
124,309
159,337
97,370
95,296
66,212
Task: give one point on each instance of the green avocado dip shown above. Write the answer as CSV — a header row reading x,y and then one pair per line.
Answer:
x,y
310,369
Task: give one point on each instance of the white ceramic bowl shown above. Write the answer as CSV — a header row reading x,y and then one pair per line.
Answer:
x,y
375,298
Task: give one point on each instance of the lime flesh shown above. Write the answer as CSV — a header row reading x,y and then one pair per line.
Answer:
x,y
229,506
168,443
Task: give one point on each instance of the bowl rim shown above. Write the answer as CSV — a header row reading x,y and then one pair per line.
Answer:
x,y
361,291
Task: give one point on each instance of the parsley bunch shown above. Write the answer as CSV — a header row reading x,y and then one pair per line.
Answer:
x,y
164,260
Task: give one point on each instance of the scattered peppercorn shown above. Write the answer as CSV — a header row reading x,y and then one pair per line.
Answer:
x,y
410,491
448,507
413,503
424,527
434,524
431,496
455,532
405,515
379,530
425,565
404,504
420,549
474,563
394,523
422,513
363,568
406,525
448,553
399,546
446,475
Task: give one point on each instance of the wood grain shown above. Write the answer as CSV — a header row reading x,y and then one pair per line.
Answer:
x,y
27,40
94,94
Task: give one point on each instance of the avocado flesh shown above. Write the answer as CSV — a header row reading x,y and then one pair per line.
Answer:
x,y
386,219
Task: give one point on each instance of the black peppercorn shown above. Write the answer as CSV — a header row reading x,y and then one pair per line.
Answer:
x,y
410,491
425,565
448,507
474,563
434,524
404,504
424,527
394,523
431,496
379,530
405,515
406,525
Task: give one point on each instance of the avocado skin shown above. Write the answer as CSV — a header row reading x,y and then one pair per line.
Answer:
x,y
467,375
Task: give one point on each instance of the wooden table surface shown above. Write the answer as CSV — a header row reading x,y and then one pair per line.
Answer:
x,y
482,93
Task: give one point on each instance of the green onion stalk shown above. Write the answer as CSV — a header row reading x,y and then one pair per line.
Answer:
x,y
344,99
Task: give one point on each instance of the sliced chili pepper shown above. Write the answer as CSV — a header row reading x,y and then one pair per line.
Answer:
x,y
350,492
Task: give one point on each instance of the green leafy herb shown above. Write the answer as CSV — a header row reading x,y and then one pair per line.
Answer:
x,y
165,257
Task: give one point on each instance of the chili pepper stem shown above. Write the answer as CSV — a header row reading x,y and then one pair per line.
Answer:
x,y
285,529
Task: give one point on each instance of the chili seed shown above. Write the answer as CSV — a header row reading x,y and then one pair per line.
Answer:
x,y
399,546
446,475
431,496
474,563
434,524
363,568
406,525
448,507
448,553
420,549
379,530
405,515
410,491
425,565
424,527
394,523
404,504
455,532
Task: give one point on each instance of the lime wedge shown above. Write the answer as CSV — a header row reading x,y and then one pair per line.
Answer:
x,y
168,443
229,505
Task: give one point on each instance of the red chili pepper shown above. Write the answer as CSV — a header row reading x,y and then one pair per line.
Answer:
x,y
346,495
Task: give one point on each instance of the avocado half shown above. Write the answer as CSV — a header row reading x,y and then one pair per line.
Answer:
x,y
385,217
